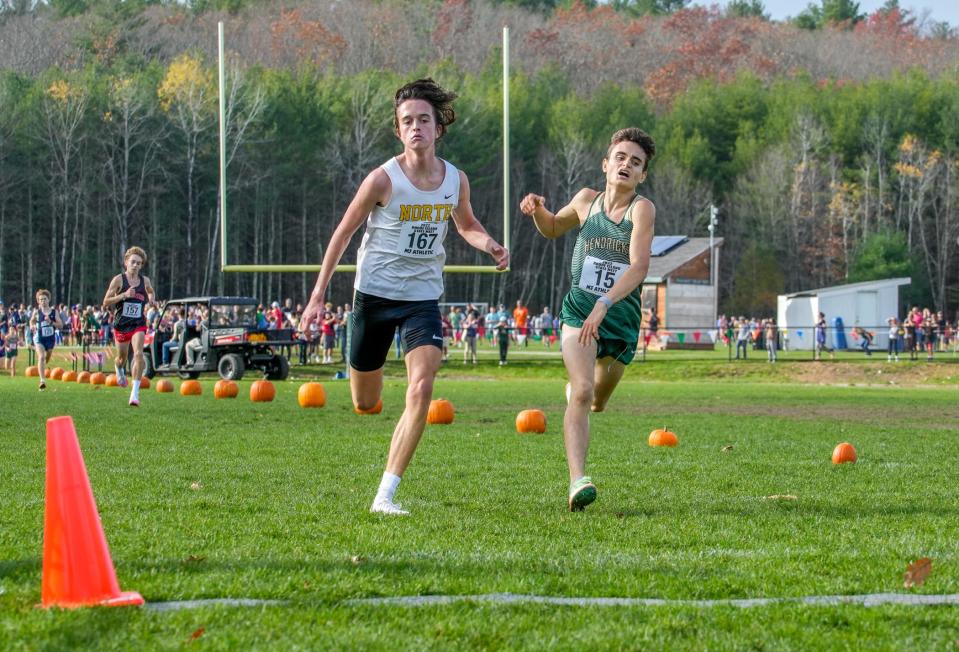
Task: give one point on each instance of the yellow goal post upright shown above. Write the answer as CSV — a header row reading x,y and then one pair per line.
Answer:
x,y
226,266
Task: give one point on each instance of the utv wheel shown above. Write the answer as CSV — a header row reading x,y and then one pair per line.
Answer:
x,y
231,367
279,368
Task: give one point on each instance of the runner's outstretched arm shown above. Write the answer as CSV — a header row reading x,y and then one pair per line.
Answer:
x,y
375,189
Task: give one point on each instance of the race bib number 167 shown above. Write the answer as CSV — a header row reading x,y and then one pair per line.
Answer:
x,y
419,239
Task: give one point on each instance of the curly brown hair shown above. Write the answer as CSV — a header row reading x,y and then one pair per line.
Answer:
x,y
439,98
634,135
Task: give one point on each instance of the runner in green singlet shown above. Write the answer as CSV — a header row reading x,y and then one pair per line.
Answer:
x,y
601,313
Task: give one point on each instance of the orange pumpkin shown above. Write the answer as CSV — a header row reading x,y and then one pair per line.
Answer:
x,y
98,378
441,412
56,373
83,377
262,391
144,383
111,380
48,372
663,437
164,386
225,389
69,376
33,371
376,409
191,388
531,421
311,395
844,452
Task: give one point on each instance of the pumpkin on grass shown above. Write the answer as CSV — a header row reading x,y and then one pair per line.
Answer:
x,y
663,437
531,421
225,389
376,409
441,412
112,380
98,378
164,386
843,453
262,391
56,373
33,371
311,395
69,376
191,388
83,377
144,383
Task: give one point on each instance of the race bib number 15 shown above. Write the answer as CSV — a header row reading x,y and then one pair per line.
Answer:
x,y
419,239
132,310
598,276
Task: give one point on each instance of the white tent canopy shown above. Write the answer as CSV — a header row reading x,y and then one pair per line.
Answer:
x,y
868,305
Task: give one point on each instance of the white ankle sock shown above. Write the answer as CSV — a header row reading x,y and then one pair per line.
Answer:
x,y
388,486
135,392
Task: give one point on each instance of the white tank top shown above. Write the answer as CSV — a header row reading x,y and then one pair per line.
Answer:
x,y
402,255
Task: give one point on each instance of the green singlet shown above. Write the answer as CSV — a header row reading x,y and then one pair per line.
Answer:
x,y
600,257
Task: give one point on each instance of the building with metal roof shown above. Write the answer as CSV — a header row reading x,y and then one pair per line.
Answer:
x,y
681,287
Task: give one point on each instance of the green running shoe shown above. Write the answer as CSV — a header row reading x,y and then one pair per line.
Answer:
x,y
581,493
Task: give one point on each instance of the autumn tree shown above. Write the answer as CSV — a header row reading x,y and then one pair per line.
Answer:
x,y
63,111
188,96
131,137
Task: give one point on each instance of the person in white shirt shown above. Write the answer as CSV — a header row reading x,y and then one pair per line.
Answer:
x,y
407,204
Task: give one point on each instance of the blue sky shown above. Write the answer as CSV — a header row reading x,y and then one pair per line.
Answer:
x,y
947,10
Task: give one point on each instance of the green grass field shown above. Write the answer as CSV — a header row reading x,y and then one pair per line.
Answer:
x,y
202,499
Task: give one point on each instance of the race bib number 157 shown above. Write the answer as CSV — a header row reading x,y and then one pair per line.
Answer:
x,y
598,276
132,310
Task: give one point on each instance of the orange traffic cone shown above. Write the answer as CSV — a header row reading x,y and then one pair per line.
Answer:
x,y
77,569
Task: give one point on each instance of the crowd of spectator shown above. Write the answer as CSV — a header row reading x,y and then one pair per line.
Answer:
x,y
467,327
920,332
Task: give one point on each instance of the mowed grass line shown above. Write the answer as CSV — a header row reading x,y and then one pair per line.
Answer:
x,y
206,499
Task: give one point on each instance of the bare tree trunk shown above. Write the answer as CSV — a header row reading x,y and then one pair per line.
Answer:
x,y
211,250
3,223
99,258
73,251
257,277
304,216
271,253
153,239
84,297
191,165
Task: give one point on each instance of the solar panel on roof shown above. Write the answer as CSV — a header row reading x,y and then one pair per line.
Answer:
x,y
663,244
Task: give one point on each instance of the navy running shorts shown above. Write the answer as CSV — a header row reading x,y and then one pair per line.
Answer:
x,y
374,321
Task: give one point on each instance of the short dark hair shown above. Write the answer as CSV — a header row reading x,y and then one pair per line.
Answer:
x,y
439,98
634,135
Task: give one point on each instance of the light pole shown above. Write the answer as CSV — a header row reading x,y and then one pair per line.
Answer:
x,y
713,221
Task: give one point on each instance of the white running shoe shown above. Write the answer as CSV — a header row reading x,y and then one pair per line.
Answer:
x,y
388,507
